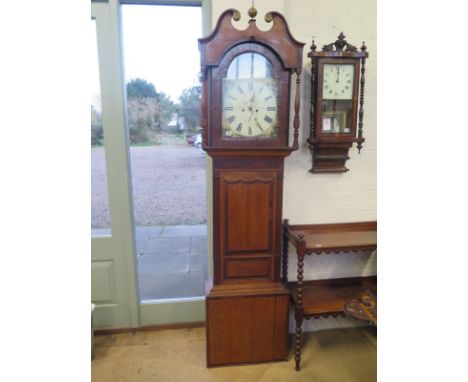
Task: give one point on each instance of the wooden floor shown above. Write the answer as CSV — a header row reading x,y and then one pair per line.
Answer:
x,y
179,355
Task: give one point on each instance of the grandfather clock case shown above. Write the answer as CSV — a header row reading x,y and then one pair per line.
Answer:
x,y
246,92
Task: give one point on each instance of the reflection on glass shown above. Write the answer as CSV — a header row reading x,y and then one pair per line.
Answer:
x,y
168,166
336,116
250,65
100,216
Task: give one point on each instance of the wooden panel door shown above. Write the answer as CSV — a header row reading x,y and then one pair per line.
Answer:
x,y
247,198
247,213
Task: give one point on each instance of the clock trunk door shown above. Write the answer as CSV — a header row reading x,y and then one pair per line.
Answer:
x,y
247,210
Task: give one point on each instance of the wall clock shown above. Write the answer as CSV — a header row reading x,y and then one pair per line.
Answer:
x,y
337,78
246,92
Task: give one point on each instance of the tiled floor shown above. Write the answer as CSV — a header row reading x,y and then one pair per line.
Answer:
x,y
171,261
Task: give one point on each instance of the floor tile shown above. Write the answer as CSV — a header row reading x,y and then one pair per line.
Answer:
x,y
153,263
171,285
168,245
184,230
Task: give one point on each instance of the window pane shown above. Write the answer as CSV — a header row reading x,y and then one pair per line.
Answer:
x,y
100,216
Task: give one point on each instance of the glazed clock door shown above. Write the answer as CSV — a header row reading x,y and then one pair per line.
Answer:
x,y
250,98
338,90
249,107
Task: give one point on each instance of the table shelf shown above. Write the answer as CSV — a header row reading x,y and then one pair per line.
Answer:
x,y
324,297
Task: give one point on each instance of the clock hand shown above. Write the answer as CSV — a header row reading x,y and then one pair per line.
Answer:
x,y
258,124
338,75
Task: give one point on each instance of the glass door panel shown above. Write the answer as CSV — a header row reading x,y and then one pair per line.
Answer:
x,y
168,166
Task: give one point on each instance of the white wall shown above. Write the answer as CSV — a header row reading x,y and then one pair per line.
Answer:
x,y
327,198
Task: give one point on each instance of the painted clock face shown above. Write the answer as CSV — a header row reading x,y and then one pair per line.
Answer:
x,y
338,80
250,98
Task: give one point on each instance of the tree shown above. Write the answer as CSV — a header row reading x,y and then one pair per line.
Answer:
x,y
139,88
167,108
143,114
147,110
190,107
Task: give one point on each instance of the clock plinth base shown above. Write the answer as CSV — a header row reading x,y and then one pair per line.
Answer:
x,y
247,324
329,157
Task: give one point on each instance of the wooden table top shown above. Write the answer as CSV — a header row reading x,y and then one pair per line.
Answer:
x,y
337,237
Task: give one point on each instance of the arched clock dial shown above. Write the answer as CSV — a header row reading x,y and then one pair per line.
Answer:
x,y
250,108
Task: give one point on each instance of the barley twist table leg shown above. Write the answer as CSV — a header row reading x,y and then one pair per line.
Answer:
x,y
297,342
299,311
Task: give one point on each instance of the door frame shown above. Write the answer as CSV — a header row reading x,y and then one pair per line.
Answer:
x,y
114,287
120,246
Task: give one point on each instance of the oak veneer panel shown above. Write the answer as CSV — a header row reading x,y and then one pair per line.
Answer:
x,y
249,206
280,350
241,268
246,329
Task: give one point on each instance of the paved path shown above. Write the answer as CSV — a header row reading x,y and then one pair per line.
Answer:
x,y
172,261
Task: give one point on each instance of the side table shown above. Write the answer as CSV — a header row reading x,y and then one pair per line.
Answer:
x,y
318,298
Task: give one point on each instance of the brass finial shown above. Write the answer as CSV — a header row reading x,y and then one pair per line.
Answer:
x,y
252,11
313,46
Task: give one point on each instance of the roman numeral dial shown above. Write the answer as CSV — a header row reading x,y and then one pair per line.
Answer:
x,y
249,108
338,81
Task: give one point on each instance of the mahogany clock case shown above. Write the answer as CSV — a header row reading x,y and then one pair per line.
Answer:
x,y
330,149
247,306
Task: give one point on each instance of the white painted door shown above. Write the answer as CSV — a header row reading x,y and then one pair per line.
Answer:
x,y
113,274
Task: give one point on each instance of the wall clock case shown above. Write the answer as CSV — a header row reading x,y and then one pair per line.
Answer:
x,y
246,91
337,93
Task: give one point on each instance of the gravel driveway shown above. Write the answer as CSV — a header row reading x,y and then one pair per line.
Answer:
x,y
169,186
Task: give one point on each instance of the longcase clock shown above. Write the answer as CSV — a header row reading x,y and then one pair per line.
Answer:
x,y
246,92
